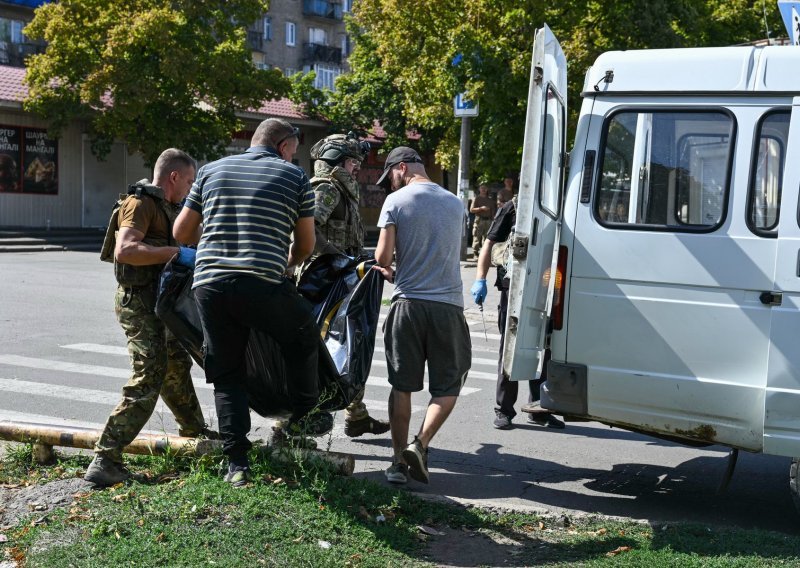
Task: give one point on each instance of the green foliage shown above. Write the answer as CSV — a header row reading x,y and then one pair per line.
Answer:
x,y
150,73
403,73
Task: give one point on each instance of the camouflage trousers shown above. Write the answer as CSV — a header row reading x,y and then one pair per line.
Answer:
x,y
480,229
159,366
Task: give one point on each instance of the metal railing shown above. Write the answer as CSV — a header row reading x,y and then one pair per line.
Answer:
x,y
323,9
318,53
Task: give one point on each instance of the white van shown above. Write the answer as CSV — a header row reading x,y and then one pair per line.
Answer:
x,y
663,272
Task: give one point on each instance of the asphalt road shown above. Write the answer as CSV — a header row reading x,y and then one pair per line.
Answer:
x,y
63,361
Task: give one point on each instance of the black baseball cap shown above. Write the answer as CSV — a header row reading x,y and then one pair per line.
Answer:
x,y
401,154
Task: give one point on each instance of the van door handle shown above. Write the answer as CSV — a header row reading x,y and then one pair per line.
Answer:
x,y
771,298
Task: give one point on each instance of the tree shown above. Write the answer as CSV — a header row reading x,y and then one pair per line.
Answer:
x,y
154,74
413,56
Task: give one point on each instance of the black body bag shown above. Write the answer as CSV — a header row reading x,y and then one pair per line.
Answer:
x,y
346,298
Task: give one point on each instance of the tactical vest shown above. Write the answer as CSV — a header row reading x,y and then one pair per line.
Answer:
x,y
343,229
127,274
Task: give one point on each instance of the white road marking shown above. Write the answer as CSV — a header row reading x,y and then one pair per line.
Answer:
x,y
96,370
92,396
384,382
97,348
472,374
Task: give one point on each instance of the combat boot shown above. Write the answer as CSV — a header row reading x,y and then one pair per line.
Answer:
x,y
104,471
366,425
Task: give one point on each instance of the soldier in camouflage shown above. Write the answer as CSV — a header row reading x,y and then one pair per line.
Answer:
x,y
338,226
160,366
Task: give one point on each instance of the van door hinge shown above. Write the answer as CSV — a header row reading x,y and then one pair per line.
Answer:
x,y
771,298
538,73
519,247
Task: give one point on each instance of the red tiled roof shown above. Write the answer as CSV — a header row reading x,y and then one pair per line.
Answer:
x,y
378,134
14,89
281,107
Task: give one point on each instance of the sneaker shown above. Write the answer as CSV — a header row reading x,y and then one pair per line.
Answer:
x,y
417,459
397,473
501,421
237,475
545,420
366,425
310,425
103,471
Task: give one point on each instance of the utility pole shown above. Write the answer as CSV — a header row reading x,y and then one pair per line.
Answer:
x,y
466,109
463,180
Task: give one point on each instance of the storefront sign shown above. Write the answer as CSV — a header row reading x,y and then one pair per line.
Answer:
x,y
28,161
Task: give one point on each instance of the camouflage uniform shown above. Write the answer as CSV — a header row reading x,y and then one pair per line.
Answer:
x,y
160,365
338,224
336,214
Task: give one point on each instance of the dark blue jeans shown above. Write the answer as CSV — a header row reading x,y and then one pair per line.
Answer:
x,y
229,309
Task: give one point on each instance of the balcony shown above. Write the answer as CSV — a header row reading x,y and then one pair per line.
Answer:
x,y
14,54
318,53
255,40
322,9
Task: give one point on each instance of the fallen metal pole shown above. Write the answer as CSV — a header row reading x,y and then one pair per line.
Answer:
x,y
45,436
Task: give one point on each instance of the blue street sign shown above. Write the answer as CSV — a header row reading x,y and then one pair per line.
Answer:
x,y
463,106
790,12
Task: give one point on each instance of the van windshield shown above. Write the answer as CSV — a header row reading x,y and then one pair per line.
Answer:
x,y
665,169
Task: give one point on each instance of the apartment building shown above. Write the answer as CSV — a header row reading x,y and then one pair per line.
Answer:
x,y
14,46
303,35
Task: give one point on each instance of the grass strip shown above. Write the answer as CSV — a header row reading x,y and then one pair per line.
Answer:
x,y
180,513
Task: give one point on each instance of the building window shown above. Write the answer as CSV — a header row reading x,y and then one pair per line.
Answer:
x,y
11,30
345,42
317,36
268,28
326,75
291,34
347,6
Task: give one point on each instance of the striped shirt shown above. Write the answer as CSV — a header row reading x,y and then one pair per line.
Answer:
x,y
250,204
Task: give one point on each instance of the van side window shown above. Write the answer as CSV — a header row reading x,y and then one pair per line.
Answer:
x,y
668,170
550,183
766,179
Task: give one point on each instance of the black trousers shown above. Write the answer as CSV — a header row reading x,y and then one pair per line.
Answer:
x,y
507,390
229,310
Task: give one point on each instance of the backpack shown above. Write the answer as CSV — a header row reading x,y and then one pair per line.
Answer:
x,y
110,240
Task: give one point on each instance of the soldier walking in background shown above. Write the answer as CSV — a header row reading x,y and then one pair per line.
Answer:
x,y
338,228
483,207
160,365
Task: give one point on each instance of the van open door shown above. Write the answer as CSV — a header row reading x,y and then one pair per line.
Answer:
x,y
782,397
534,246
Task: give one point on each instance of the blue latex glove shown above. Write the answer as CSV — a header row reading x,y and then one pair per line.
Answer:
x,y
479,291
186,256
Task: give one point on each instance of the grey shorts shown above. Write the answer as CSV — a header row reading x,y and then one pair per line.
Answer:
x,y
416,331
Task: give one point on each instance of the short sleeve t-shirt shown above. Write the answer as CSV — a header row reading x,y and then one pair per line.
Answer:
x,y
250,204
143,214
428,220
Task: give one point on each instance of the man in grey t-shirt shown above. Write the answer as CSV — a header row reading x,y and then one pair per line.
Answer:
x,y
422,223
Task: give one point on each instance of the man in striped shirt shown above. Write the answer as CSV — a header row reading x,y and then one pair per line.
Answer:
x,y
243,210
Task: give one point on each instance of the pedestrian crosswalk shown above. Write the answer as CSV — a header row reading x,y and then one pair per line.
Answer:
x,y
79,383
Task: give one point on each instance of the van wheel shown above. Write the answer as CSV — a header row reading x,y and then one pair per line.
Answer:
x,y
794,482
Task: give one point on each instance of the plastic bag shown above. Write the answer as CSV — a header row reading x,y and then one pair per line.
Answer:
x,y
346,296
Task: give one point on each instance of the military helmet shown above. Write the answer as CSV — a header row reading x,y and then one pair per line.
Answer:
x,y
336,147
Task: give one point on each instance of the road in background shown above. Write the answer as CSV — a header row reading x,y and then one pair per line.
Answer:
x,y
63,361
